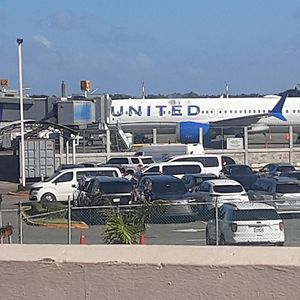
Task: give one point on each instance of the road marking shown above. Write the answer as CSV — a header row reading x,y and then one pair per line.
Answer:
x,y
189,230
196,240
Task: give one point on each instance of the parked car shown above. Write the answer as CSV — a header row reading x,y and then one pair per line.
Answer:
x,y
244,174
211,162
192,181
177,169
172,192
274,169
62,185
281,192
246,223
219,191
131,164
104,190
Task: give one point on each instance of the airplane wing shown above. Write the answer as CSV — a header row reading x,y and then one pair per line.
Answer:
x,y
252,119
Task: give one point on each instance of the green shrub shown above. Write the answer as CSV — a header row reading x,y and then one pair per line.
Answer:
x,y
38,208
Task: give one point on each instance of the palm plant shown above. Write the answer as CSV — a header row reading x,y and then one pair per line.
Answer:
x,y
125,227
121,228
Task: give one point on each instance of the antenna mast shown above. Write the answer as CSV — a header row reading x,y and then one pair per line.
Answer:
x,y
143,90
227,89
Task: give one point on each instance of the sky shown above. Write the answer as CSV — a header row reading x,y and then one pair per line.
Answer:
x,y
170,45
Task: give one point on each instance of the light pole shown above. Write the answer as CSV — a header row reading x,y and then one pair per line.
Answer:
x,y
20,42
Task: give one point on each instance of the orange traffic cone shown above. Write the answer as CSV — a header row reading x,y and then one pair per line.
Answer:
x,y
82,240
142,238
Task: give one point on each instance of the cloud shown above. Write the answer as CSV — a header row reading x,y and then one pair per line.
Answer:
x,y
296,13
142,62
118,36
68,21
42,40
195,72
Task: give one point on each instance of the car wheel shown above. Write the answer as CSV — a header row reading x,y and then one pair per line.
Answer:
x,y
222,240
48,197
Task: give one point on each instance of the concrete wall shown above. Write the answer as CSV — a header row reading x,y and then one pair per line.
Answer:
x,y
148,272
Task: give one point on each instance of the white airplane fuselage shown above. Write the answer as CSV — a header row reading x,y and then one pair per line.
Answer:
x,y
168,112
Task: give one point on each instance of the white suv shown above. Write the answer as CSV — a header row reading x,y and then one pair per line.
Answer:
x,y
211,162
131,164
220,191
246,223
177,169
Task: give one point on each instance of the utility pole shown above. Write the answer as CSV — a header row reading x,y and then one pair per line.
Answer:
x,y
20,42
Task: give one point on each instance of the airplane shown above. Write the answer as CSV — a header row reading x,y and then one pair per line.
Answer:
x,y
188,115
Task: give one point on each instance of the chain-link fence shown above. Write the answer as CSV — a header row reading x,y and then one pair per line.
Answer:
x,y
11,225
157,223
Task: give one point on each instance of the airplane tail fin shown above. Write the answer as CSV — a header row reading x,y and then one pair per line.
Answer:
x,y
277,109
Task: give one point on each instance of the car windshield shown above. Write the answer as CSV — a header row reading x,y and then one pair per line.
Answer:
x,y
289,188
116,187
52,176
255,215
227,189
241,170
181,169
285,169
169,188
147,161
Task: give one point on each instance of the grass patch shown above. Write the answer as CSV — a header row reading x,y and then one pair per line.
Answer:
x,y
56,223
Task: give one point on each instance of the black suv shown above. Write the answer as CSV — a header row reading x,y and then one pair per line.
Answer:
x,y
282,192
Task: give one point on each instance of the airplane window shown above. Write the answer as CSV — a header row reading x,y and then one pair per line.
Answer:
x,y
235,111
254,111
287,111
211,111
220,111
298,110
241,111
207,112
231,111
294,111
258,111
249,111
225,111
202,112
245,111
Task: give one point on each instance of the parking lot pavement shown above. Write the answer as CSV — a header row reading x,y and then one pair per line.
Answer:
x,y
10,195
156,234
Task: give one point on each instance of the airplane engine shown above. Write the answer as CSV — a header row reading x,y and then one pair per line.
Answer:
x,y
188,132
258,128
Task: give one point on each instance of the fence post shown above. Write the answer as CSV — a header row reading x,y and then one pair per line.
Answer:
x,y
217,221
1,220
69,221
20,223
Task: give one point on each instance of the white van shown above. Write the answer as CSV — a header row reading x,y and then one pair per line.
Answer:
x,y
162,152
177,169
212,163
63,184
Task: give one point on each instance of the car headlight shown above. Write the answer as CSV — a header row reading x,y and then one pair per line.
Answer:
x,y
35,189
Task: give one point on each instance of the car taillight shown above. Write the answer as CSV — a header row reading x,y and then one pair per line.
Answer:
x,y
233,227
281,226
